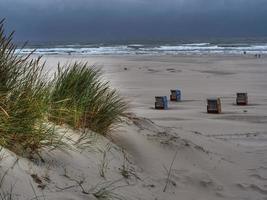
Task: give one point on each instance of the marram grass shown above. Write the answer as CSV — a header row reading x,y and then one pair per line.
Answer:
x,y
82,99
24,102
30,106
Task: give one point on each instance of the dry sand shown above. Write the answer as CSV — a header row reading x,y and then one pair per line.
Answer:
x,y
216,156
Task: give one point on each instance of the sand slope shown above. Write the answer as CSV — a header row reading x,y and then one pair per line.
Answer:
x,y
215,156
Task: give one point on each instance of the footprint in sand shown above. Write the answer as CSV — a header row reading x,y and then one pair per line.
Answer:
x,y
172,70
253,187
259,177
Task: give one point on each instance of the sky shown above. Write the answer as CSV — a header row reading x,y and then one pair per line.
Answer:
x,y
120,20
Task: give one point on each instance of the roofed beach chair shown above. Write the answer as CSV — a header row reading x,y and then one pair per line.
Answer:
x,y
214,105
161,102
241,98
175,95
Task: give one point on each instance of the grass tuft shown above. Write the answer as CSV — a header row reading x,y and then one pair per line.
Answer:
x,y
24,101
77,96
81,99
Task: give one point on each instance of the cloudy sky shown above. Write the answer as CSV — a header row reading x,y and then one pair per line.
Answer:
x,y
92,20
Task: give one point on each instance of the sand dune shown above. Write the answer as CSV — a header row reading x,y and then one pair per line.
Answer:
x,y
218,156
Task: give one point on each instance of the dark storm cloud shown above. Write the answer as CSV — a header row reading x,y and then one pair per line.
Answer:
x,y
89,20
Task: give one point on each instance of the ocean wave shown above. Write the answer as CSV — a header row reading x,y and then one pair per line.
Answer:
x,y
132,49
197,44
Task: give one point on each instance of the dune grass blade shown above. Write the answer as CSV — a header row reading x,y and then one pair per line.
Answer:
x,y
82,100
24,101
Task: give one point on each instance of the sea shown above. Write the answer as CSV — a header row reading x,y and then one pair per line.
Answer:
x,y
147,48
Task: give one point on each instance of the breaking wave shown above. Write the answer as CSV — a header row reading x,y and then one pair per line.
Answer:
x,y
134,49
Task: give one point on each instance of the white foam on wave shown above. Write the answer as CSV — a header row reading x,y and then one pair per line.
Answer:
x,y
197,44
187,48
199,48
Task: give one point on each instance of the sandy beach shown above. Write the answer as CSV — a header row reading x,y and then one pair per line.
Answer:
x,y
215,156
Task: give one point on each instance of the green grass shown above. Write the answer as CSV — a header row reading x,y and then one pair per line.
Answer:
x,y
81,99
76,96
24,101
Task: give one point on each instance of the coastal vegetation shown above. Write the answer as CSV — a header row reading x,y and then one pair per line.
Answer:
x,y
82,100
29,103
24,98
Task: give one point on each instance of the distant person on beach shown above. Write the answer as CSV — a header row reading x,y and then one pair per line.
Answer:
x,y
257,55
